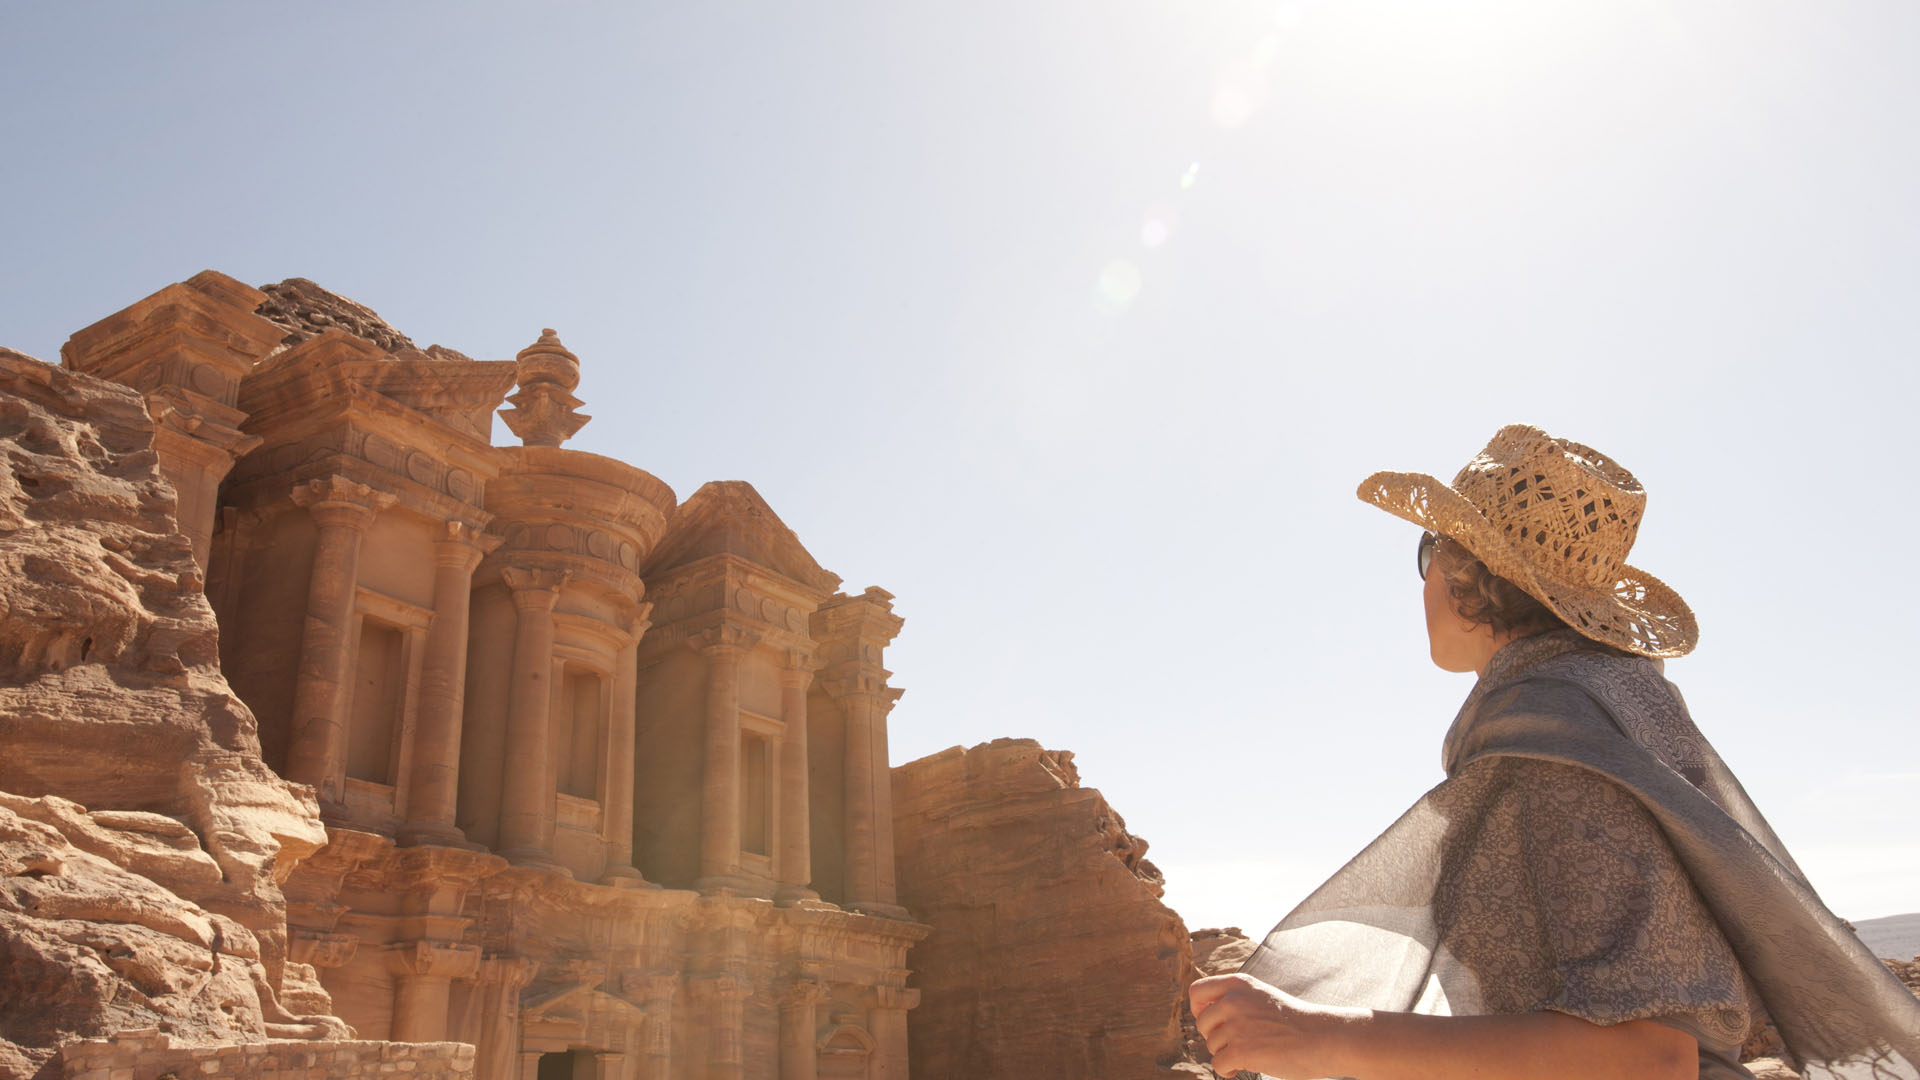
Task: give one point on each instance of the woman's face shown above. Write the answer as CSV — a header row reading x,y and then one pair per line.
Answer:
x,y
1455,643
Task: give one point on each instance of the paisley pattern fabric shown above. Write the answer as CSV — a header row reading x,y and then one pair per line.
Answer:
x,y
1563,895
1590,854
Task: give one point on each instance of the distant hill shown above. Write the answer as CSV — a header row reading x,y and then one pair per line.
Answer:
x,y
1896,936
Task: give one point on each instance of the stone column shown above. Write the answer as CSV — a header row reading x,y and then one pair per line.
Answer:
x,y
869,803
887,1023
720,793
197,441
619,806
433,788
862,885
527,792
343,510
529,1065
886,886
794,868
501,978
724,998
609,1065
420,1008
424,972
799,1025
869,882
656,1061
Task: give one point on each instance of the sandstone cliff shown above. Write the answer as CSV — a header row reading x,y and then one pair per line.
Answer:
x,y
140,833
1051,954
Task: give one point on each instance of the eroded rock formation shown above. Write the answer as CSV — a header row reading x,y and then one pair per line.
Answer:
x,y
140,834
1220,951
1051,954
306,310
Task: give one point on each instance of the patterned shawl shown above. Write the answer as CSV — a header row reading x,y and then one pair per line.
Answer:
x,y
1591,854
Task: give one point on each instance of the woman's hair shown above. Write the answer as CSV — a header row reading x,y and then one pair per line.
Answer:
x,y
1484,597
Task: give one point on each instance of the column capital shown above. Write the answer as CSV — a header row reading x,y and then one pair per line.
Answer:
x,y
319,948
797,667
869,683
895,997
725,988
635,620
805,992
443,959
512,972
650,988
336,500
725,640
462,544
534,587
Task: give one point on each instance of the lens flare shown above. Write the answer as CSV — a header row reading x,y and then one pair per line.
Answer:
x,y
1119,283
1158,224
1238,93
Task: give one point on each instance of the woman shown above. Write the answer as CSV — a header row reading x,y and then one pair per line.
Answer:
x,y
1589,893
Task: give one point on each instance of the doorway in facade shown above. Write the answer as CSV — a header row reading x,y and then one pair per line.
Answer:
x,y
569,1065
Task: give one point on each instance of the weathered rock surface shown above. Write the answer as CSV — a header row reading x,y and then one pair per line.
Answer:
x,y
1221,951
140,833
92,947
1051,954
1216,951
306,309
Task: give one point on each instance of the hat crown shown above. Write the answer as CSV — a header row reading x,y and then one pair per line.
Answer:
x,y
1557,519
1570,511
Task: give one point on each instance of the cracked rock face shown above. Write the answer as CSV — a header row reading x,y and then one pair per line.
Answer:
x,y
306,309
1051,953
140,832
91,947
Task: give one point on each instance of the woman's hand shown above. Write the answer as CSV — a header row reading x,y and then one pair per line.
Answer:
x,y
1253,1026
1250,1025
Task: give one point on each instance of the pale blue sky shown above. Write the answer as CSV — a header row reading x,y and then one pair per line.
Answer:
x,y
1075,324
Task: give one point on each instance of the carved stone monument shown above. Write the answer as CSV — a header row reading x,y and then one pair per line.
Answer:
x,y
603,776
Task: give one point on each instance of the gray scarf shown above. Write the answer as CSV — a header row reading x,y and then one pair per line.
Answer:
x,y
1386,931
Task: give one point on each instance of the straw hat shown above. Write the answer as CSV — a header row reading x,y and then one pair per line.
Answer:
x,y
1557,519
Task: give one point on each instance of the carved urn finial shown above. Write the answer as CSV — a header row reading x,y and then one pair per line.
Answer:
x,y
543,412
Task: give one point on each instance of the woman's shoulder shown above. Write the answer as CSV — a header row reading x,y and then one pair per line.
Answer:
x,y
1596,669
1598,708
1527,715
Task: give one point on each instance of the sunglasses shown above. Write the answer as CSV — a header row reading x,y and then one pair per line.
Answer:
x,y
1428,542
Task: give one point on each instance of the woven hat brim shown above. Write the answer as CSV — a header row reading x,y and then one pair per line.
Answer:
x,y
1640,614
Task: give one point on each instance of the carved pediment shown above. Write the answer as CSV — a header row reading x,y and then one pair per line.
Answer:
x,y
567,1007
728,517
459,393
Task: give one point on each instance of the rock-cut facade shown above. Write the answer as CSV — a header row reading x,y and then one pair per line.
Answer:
x,y
603,773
